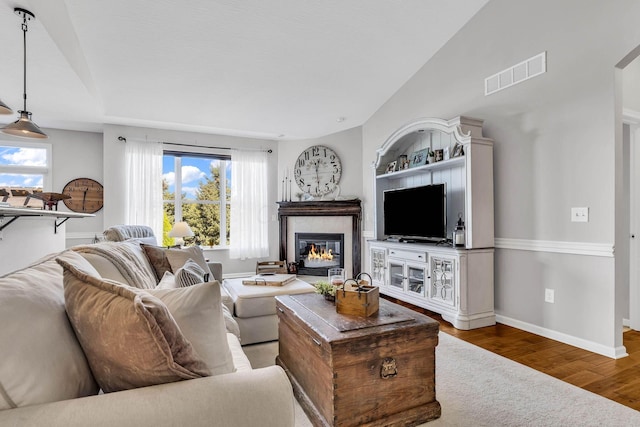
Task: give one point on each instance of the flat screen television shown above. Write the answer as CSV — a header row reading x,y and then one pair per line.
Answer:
x,y
417,213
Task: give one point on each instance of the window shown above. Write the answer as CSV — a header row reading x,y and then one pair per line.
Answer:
x,y
25,168
200,195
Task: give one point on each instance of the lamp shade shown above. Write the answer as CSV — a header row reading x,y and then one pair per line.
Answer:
x,y
181,229
24,127
4,108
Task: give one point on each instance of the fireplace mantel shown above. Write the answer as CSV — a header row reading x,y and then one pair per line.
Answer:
x,y
323,208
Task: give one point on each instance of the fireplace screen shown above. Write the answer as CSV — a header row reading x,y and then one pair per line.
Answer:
x,y
316,253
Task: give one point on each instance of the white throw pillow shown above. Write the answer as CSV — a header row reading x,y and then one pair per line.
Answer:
x,y
198,312
40,358
168,281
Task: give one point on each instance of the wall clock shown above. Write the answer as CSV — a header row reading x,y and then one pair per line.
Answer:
x,y
318,170
86,195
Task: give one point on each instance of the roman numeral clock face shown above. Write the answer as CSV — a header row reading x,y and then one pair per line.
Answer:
x,y
318,170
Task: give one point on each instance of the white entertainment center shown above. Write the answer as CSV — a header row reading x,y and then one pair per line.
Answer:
x,y
454,281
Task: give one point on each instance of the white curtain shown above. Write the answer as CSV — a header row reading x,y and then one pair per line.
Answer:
x,y
144,185
249,209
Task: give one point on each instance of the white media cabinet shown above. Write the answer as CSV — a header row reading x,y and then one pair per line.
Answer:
x,y
456,282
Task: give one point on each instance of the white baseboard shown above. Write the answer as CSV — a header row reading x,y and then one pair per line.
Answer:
x,y
613,352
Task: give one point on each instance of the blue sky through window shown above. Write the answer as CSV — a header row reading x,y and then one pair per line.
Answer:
x,y
20,157
194,171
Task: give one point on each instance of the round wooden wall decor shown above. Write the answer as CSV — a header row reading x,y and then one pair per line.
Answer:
x,y
86,195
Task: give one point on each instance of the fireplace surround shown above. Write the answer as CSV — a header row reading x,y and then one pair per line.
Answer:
x,y
345,208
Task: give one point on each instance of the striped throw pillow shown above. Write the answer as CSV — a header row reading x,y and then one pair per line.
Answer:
x,y
189,274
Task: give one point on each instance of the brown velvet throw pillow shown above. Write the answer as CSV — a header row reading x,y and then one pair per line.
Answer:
x,y
158,260
128,336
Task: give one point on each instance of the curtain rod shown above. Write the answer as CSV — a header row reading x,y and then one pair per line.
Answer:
x,y
122,138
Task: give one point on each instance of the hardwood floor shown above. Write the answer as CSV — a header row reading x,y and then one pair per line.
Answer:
x,y
618,380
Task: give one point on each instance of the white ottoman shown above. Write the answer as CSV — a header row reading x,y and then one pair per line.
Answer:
x,y
254,307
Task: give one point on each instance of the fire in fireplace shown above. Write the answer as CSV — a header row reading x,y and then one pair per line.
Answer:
x,y
316,253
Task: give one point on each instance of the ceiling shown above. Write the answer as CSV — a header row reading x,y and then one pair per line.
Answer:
x,y
276,69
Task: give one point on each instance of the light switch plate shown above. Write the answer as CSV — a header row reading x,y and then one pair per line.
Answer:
x,y
549,295
579,214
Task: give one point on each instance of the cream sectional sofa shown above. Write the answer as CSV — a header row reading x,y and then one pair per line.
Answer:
x,y
48,375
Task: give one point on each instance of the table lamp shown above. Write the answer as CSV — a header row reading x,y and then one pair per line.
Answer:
x,y
179,231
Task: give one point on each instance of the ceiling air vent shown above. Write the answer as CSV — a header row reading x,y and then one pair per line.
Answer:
x,y
517,74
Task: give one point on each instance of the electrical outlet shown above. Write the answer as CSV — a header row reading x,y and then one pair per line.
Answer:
x,y
579,214
549,295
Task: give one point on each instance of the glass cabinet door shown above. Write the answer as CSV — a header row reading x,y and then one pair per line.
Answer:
x,y
396,274
416,279
442,280
378,266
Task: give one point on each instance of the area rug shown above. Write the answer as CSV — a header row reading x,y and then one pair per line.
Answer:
x,y
478,388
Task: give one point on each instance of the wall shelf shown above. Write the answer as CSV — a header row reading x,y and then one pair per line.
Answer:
x,y
59,216
441,165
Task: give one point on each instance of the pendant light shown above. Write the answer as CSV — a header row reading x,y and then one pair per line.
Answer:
x,y
24,127
4,108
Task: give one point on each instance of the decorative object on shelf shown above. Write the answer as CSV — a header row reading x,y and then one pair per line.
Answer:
x,y
179,231
445,153
391,167
458,232
403,162
431,157
356,299
439,155
49,200
86,195
419,158
458,150
286,186
335,195
318,170
326,289
24,127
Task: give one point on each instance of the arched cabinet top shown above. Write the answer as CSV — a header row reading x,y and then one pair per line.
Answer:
x,y
462,129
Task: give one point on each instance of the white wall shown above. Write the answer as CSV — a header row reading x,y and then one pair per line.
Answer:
x,y
347,145
28,239
555,139
77,155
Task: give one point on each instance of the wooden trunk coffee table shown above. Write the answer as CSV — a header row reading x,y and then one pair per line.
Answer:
x,y
358,371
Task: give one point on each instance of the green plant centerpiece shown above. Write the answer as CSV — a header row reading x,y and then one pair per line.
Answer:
x,y
325,289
